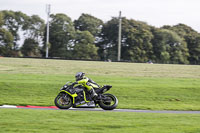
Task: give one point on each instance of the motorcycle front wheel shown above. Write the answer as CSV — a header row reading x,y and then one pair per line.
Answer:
x,y
63,101
109,102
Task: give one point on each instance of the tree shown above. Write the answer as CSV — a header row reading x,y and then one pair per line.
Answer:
x,y
17,23
1,19
161,53
193,41
6,42
34,28
169,47
61,36
108,45
92,24
89,23
30,48
181,29
14,22
84,47
6,39
191,38
136,40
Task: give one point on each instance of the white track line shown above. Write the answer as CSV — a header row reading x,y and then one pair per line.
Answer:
x,y
8,106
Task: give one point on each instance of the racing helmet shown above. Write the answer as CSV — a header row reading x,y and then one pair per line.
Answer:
x,y
79,76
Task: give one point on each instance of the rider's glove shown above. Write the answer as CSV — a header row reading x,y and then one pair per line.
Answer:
x,y
74,83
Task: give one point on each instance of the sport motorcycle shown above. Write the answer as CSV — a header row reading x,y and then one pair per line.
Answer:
x,y
78,96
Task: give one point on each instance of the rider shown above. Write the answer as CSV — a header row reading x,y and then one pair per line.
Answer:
x,y
86,82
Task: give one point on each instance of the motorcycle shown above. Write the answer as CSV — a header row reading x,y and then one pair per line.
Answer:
x,y
70,96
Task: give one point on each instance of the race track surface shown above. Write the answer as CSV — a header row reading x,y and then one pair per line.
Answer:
x,y
98,109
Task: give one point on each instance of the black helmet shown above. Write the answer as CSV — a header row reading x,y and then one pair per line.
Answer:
x,y
79,76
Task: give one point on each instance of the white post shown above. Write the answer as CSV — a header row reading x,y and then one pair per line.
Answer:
x,y
47,37
119,37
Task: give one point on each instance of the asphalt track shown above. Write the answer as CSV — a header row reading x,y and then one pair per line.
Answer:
x,y
99,109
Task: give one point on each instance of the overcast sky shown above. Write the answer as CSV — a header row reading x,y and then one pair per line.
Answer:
x,y
154,12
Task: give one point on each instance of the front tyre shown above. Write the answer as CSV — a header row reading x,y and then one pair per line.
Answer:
x,y
63,101
109,102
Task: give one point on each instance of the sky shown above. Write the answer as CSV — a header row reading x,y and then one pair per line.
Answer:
x,y
154,12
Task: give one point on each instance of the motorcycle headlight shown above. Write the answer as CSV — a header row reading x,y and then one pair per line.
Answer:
x,y
64,87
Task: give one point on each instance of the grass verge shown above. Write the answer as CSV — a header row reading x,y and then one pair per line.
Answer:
x,y
137,86
51,121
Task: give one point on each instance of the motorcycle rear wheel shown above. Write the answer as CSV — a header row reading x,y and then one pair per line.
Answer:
x,y
109,104
63,101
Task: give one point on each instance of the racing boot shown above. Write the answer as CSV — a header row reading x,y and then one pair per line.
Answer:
x,y
93,94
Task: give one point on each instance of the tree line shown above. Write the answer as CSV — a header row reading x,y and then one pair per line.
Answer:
x,y
89,38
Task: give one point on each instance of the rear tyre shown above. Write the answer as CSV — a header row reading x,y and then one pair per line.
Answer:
x,y
109,102
63,101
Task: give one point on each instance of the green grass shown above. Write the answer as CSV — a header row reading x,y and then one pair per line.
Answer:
x,y
51,121
137,86
95,68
